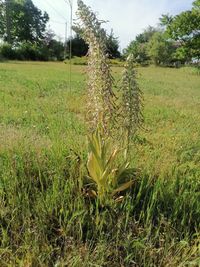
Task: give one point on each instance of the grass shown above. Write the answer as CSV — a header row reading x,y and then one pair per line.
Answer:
x,y
45,219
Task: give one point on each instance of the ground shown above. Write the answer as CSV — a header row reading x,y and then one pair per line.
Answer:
x,y
42,138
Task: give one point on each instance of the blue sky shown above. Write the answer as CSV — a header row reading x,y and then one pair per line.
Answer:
x,y
126,17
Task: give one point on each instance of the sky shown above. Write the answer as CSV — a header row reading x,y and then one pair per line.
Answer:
x,y
127,18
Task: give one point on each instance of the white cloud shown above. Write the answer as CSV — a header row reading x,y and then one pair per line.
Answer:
x,y
127,17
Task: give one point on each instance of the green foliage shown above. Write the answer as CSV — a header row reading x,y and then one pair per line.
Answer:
x,y
181,55
176,42
112,46
160,50
2,18
138,47
139,52
79,47
77,61
45,217
27,32
31,51
196,4
146,35
54,50
165,20
84,61
154,45
185,27
27,22
117,62
7,52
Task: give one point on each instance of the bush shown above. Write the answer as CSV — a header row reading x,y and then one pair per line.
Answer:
x,y
24,51
43,50
7,51
77,61
27,51
1,57
30,51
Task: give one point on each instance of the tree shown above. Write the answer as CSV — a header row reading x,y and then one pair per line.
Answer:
x,y
56,50
112,44
185,28
79,47
181,55
165,20
2,18
196,4
147,34
161,50
138,47
138,51
26,22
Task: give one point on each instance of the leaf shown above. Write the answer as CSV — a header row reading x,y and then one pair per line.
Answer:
x,y
118,173
93,146
119,199
95,149
91,193
93,168
123,187
108,168
126,175
112,157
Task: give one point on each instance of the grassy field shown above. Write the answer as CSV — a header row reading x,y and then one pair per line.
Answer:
x,y
45,219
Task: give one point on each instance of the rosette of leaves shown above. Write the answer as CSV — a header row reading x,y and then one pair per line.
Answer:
x,y
110,181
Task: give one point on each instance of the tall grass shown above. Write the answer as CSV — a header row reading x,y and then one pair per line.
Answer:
x,y
46,220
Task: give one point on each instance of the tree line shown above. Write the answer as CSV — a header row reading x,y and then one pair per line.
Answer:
x,y
24,33
176,40
23,30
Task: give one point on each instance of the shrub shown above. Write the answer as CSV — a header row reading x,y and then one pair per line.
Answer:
x,y
77,61
7,51
31,51
24,51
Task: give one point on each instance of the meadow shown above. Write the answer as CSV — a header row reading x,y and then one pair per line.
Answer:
x,y
45,219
